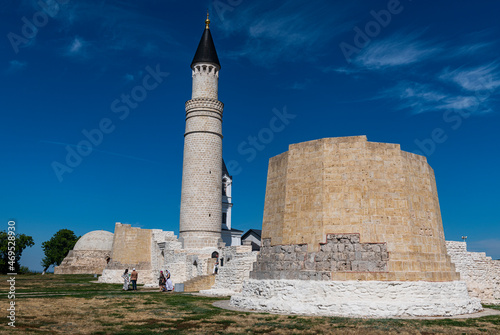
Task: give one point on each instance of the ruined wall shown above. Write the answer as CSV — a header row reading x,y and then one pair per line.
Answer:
x,y
341,253
89,255
83,262
238,262
132,248
481,273
350,186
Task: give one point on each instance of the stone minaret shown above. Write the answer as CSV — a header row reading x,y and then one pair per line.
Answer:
x,y
201,206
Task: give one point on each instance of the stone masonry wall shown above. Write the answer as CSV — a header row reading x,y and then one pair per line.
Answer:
x,y
205,81
348,185
481,273
201,206
131,249
83,261
341,252
361,298
238,262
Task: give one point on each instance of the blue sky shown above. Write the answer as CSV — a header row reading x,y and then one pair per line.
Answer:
x,y
424,74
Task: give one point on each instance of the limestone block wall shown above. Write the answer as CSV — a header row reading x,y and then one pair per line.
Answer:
x,y
151,251
350,186
379,299
340,253
131,249
83,261
481,273
161,242
89,255
230,277
201,206
187,264
205,81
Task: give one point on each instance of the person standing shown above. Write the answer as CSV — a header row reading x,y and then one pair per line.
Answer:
x,y
133,277
162,281
126,281
168,283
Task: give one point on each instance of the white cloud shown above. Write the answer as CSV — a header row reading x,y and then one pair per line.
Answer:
x,y
342,69
471,48
15,66
110,26
77,48
480,78
395,51
128,77
275,31
420,98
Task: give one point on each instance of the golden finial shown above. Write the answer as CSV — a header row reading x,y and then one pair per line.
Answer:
x,y
207,22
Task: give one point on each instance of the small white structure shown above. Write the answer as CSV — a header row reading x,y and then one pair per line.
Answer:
x,y
230,236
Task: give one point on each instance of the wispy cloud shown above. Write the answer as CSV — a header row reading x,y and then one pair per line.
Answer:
x,y
484,77
293,30
130,77
104,27
471,49
395,51
16,66
77,48
299,85
420,98
431,84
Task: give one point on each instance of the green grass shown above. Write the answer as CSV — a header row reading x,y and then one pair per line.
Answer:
x,y
106,309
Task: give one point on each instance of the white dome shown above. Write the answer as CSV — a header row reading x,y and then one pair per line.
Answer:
x,y
95,240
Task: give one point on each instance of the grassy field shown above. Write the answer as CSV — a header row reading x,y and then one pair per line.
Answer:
x,y
71,304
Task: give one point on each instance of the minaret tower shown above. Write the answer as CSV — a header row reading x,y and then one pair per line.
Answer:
x,y
201,206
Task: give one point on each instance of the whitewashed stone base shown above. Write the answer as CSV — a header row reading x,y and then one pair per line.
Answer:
x,y
146,277
357,298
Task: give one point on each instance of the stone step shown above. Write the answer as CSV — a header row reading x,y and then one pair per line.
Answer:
x,y
199,283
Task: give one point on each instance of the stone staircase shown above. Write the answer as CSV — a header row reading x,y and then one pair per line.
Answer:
x,y
199,283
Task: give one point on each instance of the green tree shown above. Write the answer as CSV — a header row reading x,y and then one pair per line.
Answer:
x,y
58,247
11,248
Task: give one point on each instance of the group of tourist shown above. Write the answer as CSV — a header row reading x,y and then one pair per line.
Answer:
x,y
129,278
165,282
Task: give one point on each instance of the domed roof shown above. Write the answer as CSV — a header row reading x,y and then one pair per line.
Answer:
x,y
95,240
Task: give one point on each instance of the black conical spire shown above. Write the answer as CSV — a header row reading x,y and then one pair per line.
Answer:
x,y
206,49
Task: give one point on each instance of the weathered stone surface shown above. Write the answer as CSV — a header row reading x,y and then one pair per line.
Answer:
x,y
319,264
90,254
357,298
347,185
230,277
481,273
201,206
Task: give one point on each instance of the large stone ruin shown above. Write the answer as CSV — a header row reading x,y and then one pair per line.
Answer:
x,y
353,228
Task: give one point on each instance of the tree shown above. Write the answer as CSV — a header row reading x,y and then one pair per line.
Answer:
x,y
10,253
58,247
